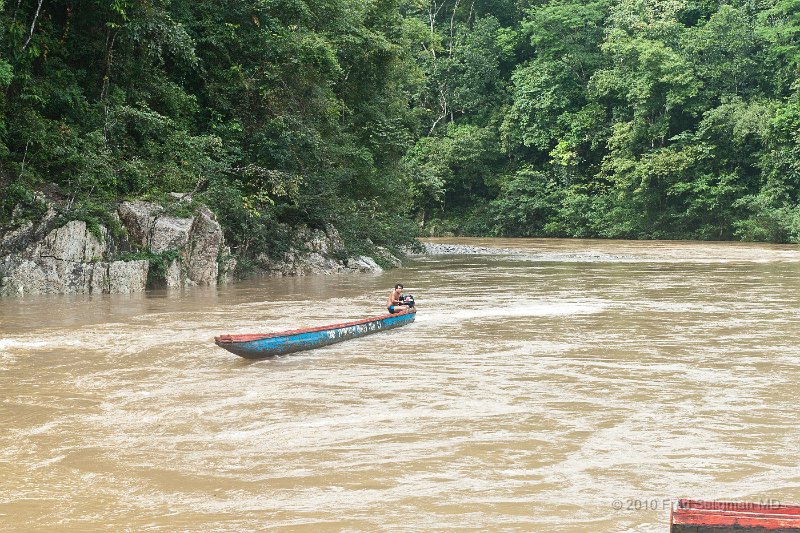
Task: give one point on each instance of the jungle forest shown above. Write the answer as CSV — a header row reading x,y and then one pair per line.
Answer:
x,y
635,119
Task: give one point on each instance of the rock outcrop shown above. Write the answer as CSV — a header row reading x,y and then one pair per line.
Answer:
x,y
27,232
139,219
190,246
318,252
48,257
45,258
204,247
69,260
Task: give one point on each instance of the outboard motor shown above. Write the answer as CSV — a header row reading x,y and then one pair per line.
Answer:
x,y
407,299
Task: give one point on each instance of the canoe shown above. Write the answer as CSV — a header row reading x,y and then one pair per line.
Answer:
x,y
697,516
259,346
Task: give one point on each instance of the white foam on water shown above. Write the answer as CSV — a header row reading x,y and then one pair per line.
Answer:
x,y
511,311
6,344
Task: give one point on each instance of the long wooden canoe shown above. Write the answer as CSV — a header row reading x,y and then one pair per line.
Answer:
x,y
695,516
259,346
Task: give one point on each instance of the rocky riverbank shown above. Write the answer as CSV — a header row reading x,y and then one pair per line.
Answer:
x,y
149,248
545,255
462,249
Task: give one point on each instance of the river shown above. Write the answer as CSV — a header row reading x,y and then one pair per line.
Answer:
x,y
563,386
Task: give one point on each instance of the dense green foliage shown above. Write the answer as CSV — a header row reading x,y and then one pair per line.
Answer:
x,y
591,118
613,118
274,112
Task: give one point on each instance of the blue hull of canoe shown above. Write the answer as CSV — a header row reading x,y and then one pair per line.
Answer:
x,y
295,341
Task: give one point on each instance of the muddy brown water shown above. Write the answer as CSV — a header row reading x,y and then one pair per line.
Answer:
x,y
569,386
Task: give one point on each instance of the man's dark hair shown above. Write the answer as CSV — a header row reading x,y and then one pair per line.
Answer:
x,y
398,286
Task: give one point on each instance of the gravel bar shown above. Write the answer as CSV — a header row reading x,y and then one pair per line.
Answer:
x,y
463,249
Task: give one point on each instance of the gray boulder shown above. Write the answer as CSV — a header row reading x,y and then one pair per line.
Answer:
x,y
363,264
205,244
317,263
169,233
71,242
139,219
387,256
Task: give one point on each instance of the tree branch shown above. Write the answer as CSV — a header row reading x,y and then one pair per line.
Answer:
x,y
33,26
107,78
452,22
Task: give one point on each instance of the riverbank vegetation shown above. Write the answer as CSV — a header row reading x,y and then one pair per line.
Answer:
x,y
614,118
275,114
601,118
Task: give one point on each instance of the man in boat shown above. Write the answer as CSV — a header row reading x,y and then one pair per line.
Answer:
x,y
393,303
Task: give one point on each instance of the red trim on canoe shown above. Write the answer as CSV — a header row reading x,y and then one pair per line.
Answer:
x,y
763,517
745,507
716,518
259,336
